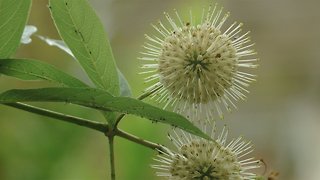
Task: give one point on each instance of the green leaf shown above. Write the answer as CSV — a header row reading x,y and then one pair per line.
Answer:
x,y
102,100
124,85
82,31
27,69
125,89
14,15
35,70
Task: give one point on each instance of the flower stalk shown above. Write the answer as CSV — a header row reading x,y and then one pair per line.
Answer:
x,y
143,142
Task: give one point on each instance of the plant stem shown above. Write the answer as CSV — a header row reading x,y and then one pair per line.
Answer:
x,y
64,117
111,153
147,94
141,97
139,140
104,128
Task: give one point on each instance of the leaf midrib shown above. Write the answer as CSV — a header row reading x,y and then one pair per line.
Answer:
x,y
86,47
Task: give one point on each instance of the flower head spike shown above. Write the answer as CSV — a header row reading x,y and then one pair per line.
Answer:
x,y
197,158
197,67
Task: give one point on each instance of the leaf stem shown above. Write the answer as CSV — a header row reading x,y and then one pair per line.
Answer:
x,y
63,117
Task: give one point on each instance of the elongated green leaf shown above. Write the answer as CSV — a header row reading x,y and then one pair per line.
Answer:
x,y
102,100
27,69
82,31
13,17
125,89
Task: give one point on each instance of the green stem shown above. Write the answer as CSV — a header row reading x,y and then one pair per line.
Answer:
x,y
111,155
63,117
104,128
147,94
139,140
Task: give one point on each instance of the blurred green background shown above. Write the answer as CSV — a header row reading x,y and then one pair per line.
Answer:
x,y
281,115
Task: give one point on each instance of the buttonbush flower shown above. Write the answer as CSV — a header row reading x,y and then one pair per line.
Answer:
x,y
198,67
198,158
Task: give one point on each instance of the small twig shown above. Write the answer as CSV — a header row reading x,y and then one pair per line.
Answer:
x,y
147,94
141,97
64,117
139,140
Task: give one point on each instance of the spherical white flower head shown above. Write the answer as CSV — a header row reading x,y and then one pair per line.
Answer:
x,y
197,158
198,67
